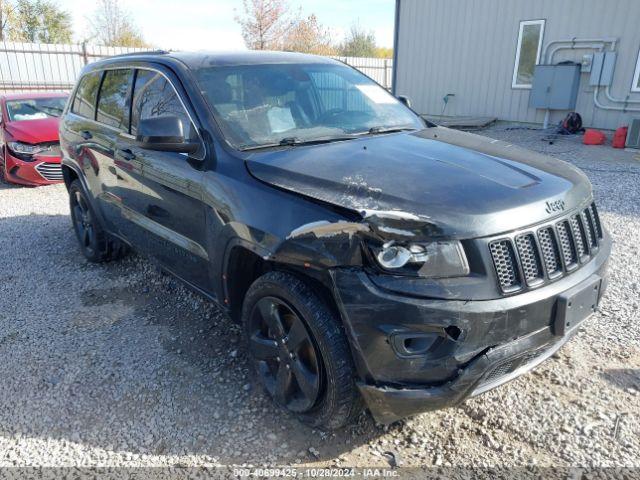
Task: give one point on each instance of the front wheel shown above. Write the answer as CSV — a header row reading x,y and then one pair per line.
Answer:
x,y
3,167
300,351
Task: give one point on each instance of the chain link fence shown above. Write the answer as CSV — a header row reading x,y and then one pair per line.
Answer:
x,y
29,67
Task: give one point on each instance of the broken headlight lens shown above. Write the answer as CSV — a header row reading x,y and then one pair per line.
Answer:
x,y
433,260
26,148
25,151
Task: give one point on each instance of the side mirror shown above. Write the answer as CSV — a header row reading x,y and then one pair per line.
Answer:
x,y
164,134
404,99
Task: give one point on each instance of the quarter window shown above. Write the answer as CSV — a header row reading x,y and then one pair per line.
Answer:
x,y
113,104
85,99
527,52
154,96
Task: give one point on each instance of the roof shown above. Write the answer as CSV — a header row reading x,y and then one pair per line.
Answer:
x,y
248,57
218,59
33,95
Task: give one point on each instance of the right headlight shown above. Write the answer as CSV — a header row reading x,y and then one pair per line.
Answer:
x,y
26,148
432,260
25,151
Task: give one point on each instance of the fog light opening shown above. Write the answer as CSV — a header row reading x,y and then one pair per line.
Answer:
x,y
417,345
453,332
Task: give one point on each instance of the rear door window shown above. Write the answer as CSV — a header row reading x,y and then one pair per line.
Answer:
x,y
113,100
85,100
154,96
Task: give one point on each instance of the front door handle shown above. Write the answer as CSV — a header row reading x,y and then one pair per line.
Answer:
x,y
86,134
127,154
156,211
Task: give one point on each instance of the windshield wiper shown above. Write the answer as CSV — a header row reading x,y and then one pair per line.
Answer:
x,y
295,141
379,130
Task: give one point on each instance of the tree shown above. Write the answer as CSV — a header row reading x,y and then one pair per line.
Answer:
x,y
39,21
384,52
113,27
307,35
264,23
359,43
6,11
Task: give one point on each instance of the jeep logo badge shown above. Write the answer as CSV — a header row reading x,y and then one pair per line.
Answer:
x,y
555,206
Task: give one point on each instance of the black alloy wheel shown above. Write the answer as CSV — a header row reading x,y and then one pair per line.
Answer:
x,y
286,358
83,223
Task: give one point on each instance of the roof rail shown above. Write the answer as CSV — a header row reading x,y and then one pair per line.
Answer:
x,y
141,52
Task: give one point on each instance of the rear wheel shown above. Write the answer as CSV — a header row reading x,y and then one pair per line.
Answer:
x,y
300,352
95,243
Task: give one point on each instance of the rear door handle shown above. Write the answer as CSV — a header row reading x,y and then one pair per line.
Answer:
x,y
86,134
127,154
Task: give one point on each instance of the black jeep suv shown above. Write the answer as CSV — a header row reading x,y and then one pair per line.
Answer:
x,y
370,256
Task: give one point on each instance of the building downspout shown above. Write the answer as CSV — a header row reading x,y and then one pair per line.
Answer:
x,y
396,34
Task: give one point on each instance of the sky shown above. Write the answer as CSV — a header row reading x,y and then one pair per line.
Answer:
x,y
210,25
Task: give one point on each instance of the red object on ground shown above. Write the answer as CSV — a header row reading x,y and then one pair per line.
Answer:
x,y
620,137
30,127
593,137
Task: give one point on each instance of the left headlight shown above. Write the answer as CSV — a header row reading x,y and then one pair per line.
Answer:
x,y
26,148
433,260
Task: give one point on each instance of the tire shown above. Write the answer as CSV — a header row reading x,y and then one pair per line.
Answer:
x,y
322,360
3,167
96,245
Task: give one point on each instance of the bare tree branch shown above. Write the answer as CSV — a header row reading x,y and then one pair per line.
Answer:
x,y
112,26
263,23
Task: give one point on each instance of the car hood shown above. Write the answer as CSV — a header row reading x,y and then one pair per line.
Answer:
x,y
453,184
34,131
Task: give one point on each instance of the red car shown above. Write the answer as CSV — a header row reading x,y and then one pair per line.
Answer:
x,y
29,146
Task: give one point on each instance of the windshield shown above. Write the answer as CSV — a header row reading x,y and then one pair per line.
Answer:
x,y
35,108
261,105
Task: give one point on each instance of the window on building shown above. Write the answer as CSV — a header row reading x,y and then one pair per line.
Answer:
x,y
635,87
527,52
113,104
85,100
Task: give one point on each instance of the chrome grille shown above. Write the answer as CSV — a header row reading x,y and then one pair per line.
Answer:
x,y
567,245
550,251
532,258
589,228
529,258
596,219
579,236
504,259
50,171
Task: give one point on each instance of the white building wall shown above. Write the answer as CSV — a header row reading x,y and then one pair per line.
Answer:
x,y
468,47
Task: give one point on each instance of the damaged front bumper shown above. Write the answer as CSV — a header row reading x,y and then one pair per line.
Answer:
x,y
414,355
388,404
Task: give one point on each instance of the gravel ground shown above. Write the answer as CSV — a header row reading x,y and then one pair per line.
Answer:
x,y
119,365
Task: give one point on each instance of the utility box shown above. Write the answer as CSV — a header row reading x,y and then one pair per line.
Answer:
x,y
603,66
555,87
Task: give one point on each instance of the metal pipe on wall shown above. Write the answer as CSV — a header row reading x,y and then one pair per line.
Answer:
x,y
596,91
572,41
593,46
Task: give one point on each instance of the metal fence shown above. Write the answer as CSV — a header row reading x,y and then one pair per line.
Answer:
x,y
40,66
379,69
55,67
